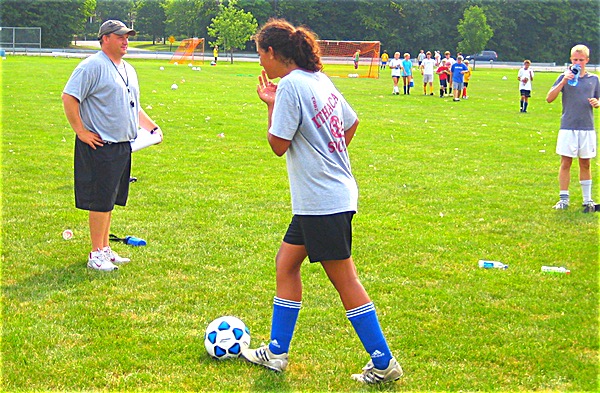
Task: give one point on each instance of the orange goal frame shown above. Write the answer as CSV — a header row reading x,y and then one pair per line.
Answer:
x,y
338,58
190,51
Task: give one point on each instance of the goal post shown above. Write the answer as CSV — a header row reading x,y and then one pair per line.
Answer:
x,y
338,58
190,51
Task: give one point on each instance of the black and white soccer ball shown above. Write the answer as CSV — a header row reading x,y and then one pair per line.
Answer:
x,y
226,337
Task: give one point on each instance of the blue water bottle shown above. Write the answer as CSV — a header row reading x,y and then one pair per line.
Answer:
x,y
134,241
575,68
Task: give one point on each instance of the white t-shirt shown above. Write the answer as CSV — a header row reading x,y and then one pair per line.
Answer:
x,y
396,66
525,73
311,113
428,65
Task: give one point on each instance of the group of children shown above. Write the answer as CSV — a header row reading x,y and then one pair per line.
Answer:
x,y
454,75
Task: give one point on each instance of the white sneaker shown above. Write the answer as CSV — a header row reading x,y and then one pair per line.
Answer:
x,y
98,260
561,205
113,256
264,357
372,375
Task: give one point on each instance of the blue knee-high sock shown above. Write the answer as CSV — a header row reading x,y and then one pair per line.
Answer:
x,y
285,315
365,323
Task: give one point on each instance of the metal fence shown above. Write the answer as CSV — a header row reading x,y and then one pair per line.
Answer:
x,y
26,38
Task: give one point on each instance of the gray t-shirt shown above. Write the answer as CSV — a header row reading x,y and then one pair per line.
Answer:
x,y
311,113
105,95
577,113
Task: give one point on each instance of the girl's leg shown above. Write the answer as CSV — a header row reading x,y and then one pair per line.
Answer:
x,y
359,310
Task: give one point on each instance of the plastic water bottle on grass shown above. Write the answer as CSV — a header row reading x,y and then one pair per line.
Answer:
x,y
492,264
555,269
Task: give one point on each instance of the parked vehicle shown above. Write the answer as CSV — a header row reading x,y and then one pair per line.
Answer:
x,y
485,55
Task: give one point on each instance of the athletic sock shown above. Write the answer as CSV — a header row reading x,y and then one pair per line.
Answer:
x,y
404,89
464,92
586,190
525,103
522,102
441,92
285,315
564,195
365,323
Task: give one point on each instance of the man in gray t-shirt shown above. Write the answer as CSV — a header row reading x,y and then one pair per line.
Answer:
x,y
102,104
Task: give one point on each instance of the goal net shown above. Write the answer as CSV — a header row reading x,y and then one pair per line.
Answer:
x,y
190,51
339,58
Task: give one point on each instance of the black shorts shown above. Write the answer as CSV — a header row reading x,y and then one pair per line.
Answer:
x,y
525,93
102,175
443,83
326,238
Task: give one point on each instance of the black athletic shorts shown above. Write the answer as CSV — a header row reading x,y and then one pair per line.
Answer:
x,y
102,175
526,93
326,238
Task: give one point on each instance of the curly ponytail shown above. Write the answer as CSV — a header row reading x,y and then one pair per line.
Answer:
x,y
290,44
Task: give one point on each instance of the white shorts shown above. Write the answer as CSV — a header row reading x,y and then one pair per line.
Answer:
x,y
427,78
575,143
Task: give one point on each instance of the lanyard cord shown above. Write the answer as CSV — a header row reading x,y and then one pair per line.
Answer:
x,y
125,81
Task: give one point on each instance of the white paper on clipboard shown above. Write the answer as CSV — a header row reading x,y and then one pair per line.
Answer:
x,y
144,139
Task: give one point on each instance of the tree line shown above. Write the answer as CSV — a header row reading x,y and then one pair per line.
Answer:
x,y
540,30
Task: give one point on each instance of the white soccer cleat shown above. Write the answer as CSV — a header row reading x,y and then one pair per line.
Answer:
x,y
561,205
264,357
372,375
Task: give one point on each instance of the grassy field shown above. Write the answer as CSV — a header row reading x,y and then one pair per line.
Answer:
x,y
442,185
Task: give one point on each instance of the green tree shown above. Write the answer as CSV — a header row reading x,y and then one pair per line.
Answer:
x,y
59,19
232,27
474,30
123,10
189,18
151,18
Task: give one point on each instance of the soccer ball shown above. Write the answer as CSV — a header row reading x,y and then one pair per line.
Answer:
x,y
174,86
226,337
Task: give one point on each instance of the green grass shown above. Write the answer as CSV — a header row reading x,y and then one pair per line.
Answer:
x,y
442,185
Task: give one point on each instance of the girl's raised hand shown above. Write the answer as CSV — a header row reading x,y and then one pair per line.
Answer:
x,y
266,89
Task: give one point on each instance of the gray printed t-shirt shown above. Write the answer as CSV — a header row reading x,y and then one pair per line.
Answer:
x,y
104,99
577,113
311,113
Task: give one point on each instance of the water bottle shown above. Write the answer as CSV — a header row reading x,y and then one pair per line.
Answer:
x,y
134,241
575,68
555,269
492,264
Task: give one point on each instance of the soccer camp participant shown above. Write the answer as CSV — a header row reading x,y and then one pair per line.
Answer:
x,y
577,135
102,103
395,67
384,59
406,73
312,124
466,80
427,68
525,77
443,72
356,58
458,71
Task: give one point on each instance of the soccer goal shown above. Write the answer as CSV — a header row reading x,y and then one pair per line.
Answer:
x,y
190,51
339,57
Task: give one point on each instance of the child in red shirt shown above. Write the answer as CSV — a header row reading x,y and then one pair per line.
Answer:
x,y
444,72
